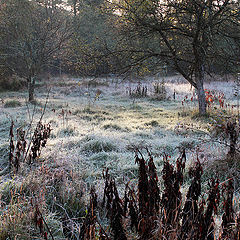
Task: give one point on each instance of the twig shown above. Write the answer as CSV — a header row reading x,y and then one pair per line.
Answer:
x,y
211,140
30,117
229,179
41,117
46,224
45,106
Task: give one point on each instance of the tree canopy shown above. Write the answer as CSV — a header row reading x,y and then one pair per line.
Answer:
x,y
33,34
192,36
89,37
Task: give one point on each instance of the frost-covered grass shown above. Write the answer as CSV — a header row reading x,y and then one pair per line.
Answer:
x,y
96,126
95,130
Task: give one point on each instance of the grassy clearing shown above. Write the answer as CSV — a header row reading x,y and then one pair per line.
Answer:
x,y
113,122
93,133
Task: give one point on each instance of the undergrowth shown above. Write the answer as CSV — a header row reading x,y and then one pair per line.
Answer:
x,y
12,104
48,201
147,212
43,199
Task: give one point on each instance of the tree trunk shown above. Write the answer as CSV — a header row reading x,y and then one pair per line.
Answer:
x,y
31,85
75,8
202,106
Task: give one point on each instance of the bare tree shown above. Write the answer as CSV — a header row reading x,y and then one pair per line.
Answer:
x,y
33,33
190,35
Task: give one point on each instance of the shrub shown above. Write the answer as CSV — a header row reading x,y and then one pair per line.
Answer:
x,y
13,83
22,150
160,92
138,92
12,104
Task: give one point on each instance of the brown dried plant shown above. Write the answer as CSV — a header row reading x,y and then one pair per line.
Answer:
x,y
149,214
